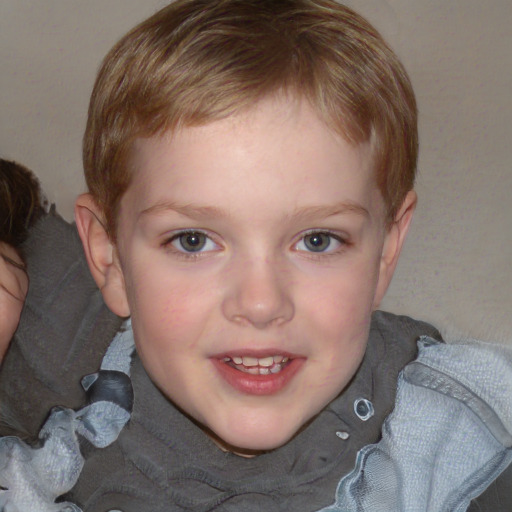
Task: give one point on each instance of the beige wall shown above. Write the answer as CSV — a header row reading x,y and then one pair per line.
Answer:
x,y
457,267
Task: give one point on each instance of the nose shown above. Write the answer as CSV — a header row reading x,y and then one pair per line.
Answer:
x,y
258,294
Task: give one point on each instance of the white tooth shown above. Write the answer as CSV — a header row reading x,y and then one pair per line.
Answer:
x,y
285,359
275,369
253,370
226,359
264,371
278,359
237,360
266,361
250,361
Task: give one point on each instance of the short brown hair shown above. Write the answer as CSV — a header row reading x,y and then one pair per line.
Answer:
x,y
196,61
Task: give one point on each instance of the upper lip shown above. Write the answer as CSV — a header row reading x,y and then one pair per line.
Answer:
x,y
257,353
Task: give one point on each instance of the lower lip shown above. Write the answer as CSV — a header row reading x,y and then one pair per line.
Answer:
x,y
258,384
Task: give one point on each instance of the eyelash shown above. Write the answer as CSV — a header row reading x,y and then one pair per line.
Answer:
x,y
339,239
192,255
183,253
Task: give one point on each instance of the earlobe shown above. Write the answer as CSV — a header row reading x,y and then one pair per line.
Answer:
x,y
101,255
393,243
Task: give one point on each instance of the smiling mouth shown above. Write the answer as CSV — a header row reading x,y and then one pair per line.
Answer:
x,y
258,365
261,374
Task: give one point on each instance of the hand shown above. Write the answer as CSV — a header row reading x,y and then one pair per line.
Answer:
x,y
13,290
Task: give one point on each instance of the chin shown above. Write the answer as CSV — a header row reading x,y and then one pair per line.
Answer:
x,y
256,447
249,442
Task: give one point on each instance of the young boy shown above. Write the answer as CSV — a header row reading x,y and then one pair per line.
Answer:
x,y
250,167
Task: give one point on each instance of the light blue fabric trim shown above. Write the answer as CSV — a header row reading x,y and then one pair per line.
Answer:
x,y
446,441
34,477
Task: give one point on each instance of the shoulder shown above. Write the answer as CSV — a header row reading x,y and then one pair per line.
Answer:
x,y
468,384
64,328
393,343
452,404
400,328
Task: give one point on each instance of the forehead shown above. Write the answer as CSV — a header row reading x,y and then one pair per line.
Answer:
x,y
279,144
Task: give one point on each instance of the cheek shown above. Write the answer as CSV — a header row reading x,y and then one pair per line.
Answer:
x,y
340,312
343,302
167,306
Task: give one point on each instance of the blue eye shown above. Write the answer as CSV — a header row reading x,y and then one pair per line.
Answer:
x,y
192,242
319,241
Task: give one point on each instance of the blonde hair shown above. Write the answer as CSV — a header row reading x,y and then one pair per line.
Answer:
x,y
196,61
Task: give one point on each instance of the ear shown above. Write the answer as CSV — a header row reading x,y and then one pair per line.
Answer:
x,y
393,243
101,254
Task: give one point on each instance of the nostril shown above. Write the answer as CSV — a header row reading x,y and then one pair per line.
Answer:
x,y
258,296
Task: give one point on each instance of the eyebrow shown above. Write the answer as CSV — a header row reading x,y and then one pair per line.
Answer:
x,y
188,210
325,211
212,212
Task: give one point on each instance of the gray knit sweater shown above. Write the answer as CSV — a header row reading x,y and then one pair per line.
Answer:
x,y
162,461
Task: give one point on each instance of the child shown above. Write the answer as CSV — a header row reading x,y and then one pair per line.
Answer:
x,y
250,167
20,207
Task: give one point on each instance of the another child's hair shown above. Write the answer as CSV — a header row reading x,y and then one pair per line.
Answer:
x,y
21,202
196,61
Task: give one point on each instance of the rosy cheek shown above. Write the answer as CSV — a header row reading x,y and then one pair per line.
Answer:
x,y
178,310
337,306
173,313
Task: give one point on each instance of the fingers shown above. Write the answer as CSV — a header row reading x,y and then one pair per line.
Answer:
x,y
12,262
13,290
13,277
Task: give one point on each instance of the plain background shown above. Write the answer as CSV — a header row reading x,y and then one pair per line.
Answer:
x,y
456,269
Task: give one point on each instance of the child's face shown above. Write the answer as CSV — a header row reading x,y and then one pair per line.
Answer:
x,y
251,253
